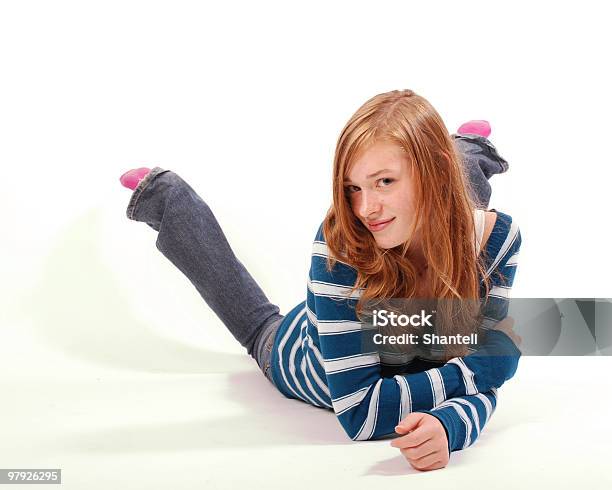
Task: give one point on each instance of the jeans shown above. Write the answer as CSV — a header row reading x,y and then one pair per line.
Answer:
x,y
481,161
191,238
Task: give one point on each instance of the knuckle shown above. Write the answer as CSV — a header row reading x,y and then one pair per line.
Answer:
x,y
412,453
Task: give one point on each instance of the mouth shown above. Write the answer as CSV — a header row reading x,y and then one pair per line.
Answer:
x,y
380,225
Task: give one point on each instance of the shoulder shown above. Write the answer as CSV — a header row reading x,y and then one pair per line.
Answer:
x,y
504,239
319,236
341,273
490,217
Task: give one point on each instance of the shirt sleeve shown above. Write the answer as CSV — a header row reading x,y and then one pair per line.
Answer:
x,y
369,406
464,417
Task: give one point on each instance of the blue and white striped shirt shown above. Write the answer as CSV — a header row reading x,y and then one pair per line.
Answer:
x,y
318,358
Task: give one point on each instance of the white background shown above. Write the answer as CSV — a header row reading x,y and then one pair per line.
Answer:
x,y
245,100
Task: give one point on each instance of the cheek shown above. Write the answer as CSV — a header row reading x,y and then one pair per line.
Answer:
x,y
396,202
405,201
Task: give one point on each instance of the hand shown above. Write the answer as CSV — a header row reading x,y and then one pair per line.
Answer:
x,y
506,326
424,444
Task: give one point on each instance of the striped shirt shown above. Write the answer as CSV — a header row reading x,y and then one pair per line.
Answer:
x,y
318,356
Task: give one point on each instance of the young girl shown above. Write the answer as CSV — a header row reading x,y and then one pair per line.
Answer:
x,y
406,222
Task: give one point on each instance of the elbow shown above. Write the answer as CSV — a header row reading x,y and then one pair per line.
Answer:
x,y
512,365
355,434
359,429
352,425
504,369
350,429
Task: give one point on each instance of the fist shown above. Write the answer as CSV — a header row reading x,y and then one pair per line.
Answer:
x,y
423,441
506,326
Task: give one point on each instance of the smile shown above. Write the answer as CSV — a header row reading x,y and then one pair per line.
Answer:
x,y
380,226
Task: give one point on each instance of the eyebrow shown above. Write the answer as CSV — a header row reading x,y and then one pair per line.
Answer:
x,y
347,181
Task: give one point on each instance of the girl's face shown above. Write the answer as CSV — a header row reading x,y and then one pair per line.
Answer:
x,y
380,187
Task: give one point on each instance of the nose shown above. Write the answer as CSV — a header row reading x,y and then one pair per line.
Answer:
x,y
369,205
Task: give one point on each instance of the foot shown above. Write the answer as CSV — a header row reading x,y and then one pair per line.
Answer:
x,y
131,178
476,126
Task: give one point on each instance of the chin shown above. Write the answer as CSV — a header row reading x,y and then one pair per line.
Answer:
x,y
387,244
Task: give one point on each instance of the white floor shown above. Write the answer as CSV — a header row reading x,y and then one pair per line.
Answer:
x,y
110,366
200,428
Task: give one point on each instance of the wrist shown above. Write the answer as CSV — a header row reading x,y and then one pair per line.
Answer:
x,y
441,417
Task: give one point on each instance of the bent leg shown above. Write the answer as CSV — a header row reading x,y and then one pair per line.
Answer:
x,y
191,238
481,160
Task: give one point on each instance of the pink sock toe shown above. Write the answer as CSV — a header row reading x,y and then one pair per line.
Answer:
x,y
131,178
476,126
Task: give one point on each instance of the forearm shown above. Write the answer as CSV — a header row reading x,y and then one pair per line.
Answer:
x,y
464,417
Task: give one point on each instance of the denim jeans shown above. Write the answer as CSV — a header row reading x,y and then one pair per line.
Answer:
x,y
481,161
191,238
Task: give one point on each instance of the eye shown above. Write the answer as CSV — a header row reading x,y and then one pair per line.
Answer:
x,y
351,189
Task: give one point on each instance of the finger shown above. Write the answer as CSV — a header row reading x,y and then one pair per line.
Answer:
x,y
507,321
418,452
411,422
427,461
516,339
413,439
508,331
435,466
512,336
506,324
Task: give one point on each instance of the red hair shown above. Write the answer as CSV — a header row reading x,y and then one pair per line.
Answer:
x,y
444,210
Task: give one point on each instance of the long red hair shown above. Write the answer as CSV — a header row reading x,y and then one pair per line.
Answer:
x,y
444,210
